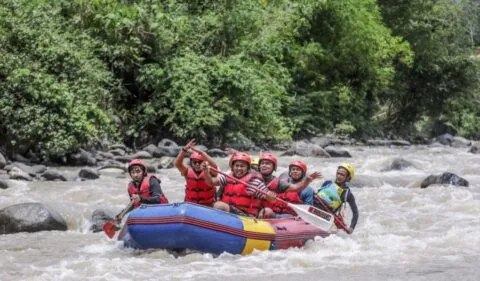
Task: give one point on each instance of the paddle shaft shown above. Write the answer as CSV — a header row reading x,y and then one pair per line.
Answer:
x,y
124,211
293,206
312,215
110,226
247,184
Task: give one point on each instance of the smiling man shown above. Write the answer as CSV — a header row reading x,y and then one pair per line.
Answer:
x,y
238,197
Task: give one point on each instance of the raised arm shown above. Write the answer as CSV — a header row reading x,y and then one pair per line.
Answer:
x,y
299,186
182,168
206,156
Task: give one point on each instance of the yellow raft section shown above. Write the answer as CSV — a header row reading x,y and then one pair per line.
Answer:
x,y
257,226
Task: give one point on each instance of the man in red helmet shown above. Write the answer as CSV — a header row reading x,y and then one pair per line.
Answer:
x,y
196,190
143,188
291,187
238,197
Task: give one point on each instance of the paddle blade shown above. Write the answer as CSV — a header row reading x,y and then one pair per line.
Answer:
x,y
109,229
314,216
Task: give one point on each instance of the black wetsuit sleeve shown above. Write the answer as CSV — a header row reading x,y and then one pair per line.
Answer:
x,y
156,191
353,205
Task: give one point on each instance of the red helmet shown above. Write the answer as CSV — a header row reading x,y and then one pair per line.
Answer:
x,y
197,156
240,156
137,162
299,164
269,157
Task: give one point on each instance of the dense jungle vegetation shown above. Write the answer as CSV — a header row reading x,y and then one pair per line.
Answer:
x,y
76,72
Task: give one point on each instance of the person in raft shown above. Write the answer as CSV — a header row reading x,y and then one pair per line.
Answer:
x,y
291,187
240,198
143,188
333,196
196,189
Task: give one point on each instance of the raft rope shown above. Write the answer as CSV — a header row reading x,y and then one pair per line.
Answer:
x,y
308,234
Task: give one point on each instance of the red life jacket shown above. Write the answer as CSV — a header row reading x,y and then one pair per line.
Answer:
x,y
289,196
144,190
197,190
272,185
235,193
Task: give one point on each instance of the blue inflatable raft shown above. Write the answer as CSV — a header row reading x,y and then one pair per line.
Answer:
x,y
195,227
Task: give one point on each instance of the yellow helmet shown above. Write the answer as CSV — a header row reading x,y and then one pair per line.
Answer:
x,y
255,161
349,168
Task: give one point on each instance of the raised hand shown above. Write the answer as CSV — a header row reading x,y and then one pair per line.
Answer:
x,y
190,145
315,175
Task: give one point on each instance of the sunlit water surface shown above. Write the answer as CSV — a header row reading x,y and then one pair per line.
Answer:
x,y
404,232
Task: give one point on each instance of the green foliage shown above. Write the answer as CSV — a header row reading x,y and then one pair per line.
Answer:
x,y
331,49
443,72
54,91
266,70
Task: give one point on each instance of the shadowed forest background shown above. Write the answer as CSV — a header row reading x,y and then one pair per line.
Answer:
x,y
74,73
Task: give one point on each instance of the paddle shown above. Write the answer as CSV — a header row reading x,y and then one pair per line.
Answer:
x,y
310,214
338,220
111,226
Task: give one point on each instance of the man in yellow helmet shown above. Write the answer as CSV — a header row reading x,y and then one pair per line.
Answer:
x,y
334,195
255,163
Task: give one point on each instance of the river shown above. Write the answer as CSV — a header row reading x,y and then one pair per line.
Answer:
x,y
404,232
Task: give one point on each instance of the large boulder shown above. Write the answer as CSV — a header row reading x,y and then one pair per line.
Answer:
x,y
117,152
142,155
81,158
460,142
113,165
304,149
31,170
240,142
475,149
167,143
89,174
3,184
444,179
397,164
101,155
30,217
99,217
445,139
153,150
18,174
321,141
53,175
337,152
216,152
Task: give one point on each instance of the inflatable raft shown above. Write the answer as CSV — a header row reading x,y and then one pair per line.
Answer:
x,y
195,227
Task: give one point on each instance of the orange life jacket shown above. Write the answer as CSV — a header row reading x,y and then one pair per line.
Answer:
x,y
197,190
144,190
